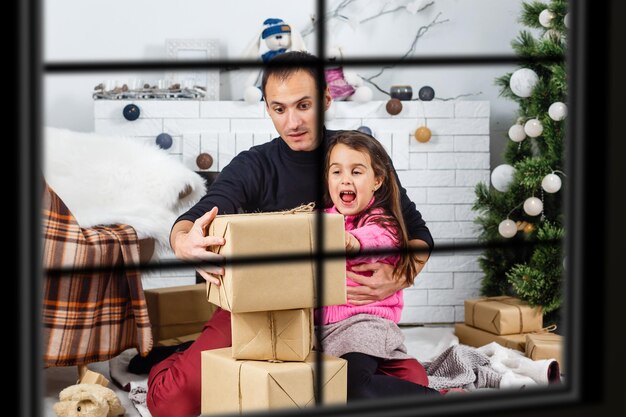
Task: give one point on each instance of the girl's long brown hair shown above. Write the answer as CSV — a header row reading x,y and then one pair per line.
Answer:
x,y
387,197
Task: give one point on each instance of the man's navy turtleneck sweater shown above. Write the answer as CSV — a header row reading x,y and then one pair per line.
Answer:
x,y
273,177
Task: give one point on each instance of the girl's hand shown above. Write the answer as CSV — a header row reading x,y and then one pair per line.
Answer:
x,y
352,243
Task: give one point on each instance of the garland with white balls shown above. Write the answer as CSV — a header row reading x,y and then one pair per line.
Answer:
x,y
522,83
501,178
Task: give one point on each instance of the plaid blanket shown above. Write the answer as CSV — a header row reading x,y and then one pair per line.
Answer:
x,y
89,316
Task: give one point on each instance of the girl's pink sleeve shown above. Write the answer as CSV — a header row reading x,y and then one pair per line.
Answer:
x,y
373,236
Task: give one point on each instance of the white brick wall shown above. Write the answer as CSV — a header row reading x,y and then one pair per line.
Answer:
x,y
439,176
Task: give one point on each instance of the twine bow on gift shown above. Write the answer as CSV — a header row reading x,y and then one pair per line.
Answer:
x,y
548,329
501,300
545,331
304,208
239,385
273,337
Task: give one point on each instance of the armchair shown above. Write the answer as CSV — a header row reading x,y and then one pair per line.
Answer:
x,y
108,203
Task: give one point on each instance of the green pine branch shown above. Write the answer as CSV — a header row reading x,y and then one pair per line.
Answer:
x,y
539,281
532,273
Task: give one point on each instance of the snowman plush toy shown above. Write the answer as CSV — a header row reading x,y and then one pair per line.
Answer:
x,y
274,38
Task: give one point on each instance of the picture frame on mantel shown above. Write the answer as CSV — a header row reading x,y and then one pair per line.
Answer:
x,y
195,49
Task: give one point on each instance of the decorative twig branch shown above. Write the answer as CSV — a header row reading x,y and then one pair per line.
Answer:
x,y
333,14
395,10
337,14
421,32
456,97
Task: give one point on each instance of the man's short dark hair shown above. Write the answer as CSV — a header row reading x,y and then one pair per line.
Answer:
x,y
295,61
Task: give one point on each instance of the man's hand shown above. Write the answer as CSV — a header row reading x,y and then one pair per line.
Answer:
x,y
379,286
191,244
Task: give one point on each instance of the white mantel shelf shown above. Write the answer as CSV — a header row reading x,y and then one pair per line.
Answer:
x,y
439,176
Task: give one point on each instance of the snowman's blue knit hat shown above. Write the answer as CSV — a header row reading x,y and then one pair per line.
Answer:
x,y
274,26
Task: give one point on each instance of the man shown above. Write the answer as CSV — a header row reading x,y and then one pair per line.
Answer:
x,y
278,175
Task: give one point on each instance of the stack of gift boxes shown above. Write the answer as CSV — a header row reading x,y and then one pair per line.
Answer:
x,y
271,364
511,323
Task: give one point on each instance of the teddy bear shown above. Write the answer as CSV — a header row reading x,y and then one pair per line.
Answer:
x,y
344,84
278,37
88,400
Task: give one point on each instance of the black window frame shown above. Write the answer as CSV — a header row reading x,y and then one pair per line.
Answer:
x,y
593,166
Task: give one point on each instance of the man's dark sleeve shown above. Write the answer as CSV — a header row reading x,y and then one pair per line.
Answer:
x,y
416,226
234,188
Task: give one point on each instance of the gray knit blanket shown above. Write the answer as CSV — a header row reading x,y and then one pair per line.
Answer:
x,y
461,366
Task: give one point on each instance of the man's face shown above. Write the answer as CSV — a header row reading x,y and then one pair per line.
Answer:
x,y
292,105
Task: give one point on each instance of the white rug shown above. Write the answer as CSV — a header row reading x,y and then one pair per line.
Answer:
x,y
426,343
106,179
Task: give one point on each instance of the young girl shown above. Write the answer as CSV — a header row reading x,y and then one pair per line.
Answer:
x,y
360,186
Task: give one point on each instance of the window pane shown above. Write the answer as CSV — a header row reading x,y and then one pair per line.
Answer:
x,y
138,31
369,28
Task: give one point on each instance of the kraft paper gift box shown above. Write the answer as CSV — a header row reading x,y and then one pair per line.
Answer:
x,y
238,386
177,311
545,346
472,336
91,377
280,285
503,315
284,335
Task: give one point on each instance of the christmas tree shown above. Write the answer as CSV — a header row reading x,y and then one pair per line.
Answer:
x,y
525,204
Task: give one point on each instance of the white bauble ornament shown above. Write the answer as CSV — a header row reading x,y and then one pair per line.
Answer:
x,y
551,183
252,95
502,176
533,206
566,20
523,81
329,114
546,17
507,228
516,133
533,128
552,35
362,94
557,111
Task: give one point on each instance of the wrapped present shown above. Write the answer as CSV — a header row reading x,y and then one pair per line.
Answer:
x,y
472,336
177,311
503,315
283,335
545,346
281,285
175,341
238,386
91,377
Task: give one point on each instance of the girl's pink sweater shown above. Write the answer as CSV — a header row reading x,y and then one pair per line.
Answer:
x,y
371,236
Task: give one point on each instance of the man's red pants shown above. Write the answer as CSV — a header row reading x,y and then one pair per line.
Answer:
x,y
174,384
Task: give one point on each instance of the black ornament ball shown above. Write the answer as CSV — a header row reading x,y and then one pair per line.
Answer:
x,y
401,92
365,130
131,112
426,93
394,106
164,141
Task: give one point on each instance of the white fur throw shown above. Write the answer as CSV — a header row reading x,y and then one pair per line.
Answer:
x,y
105,179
